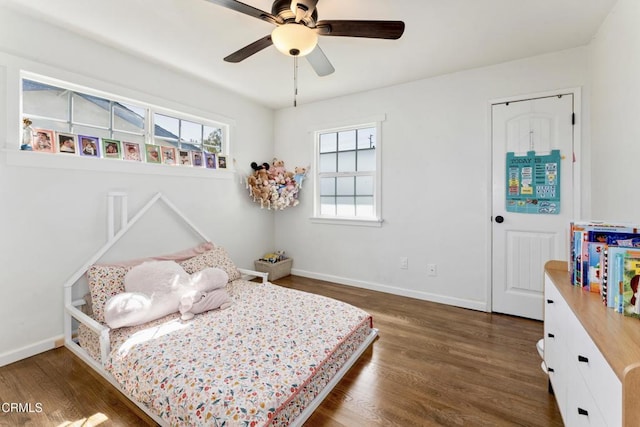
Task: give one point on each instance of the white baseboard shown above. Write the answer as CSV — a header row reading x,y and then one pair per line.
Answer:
x,y
30,350
426,296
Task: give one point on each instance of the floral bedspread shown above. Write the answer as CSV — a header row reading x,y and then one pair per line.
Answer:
x,y
241,366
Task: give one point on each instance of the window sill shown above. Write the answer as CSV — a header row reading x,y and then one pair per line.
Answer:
x,y
73,162
348,221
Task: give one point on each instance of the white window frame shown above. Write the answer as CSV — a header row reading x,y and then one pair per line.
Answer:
x,y
16,157
373,221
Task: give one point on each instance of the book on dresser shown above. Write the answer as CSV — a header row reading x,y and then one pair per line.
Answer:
x,y
592,235
614,265
629,298
592,266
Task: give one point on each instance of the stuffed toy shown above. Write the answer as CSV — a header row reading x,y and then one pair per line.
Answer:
x,y
199,302
277,167
299,175
155,289
208,293
257,167
274,186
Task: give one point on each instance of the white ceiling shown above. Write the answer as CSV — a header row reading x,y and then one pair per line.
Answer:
x,y
441,36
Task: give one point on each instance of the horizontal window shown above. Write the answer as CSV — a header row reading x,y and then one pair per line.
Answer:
x,y
74,122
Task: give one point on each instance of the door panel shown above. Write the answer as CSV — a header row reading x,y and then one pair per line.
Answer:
x,y
524,250
523,242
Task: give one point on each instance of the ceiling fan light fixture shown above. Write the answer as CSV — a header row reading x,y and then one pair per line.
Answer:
x,y
294,39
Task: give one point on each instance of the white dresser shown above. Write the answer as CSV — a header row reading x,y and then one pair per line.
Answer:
x,y
592,355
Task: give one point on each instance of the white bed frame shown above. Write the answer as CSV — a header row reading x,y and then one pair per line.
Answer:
x,y
71,310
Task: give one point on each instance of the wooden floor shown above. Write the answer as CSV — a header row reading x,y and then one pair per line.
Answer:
x,y
432,365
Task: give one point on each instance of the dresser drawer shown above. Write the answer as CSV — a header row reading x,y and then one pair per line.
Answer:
x,y
582,409
554,311
555,344
599,378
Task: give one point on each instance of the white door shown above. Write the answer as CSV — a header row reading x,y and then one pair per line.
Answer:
x,y
523,242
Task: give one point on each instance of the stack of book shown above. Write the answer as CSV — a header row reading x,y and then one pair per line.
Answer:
x,y
605,258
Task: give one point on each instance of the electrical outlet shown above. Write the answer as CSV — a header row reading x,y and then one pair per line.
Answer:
x,y
432,270
404,262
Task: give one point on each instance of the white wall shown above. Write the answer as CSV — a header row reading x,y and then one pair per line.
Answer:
x,y
53,209
436,180
615,101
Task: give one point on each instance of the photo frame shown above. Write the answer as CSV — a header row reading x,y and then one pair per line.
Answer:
x,y
152,153
184,157
111,148
168,155
210,160
222,162
66,143
89,146
131,151
197,159
43,141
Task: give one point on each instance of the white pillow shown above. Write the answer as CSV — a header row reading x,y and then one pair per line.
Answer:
x,y
135,308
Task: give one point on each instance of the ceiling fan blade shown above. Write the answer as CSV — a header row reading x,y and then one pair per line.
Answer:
x,y
303,8
249,50
368,29
319,62
248,10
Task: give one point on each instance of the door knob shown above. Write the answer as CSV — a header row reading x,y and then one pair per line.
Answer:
x,y
499,219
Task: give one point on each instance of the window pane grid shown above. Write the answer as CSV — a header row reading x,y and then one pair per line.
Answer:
x,y
347,173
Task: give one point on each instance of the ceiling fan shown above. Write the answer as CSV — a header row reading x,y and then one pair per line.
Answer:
x,y
297,30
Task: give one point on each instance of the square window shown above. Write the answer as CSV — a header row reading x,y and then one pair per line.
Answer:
x,y
91,110
39,99
190,133
364,185
347,140
213,138
327,186
129,118
345,206
328,162
366,138
347,161
328,142
328,206
346,186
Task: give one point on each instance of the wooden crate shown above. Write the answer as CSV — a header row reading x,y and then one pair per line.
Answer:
x,y
276,270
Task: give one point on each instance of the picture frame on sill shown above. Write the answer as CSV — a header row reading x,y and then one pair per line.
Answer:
x,y
196,159
89,146
185,157
111,148
222,162
67,143
210,160
168,155
43,141
152,153
131,151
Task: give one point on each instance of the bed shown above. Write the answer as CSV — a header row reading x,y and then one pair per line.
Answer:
x,y
267,360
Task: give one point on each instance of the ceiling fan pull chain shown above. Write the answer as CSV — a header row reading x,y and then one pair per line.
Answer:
x,y
295,81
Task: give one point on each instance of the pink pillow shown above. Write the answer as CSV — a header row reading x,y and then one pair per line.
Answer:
x,y
107,280
216,257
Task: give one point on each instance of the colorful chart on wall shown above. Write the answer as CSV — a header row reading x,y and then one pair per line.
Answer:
x,y
533,183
